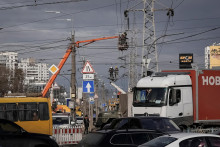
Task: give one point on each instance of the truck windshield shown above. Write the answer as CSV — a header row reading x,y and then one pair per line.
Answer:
x,y
149,96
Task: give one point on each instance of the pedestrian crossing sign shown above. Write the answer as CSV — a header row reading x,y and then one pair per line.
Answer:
x,y
87,68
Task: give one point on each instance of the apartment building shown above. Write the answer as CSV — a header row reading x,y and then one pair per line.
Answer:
x,y
34,72
9,59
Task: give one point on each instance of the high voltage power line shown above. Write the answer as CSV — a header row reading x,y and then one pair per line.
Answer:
x,y
36,3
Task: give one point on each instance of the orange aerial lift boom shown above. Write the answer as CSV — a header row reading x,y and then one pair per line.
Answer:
x,y
65,57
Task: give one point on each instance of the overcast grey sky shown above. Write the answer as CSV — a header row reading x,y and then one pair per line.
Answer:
x,y
32,32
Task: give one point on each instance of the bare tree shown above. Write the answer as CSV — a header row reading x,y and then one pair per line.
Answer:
x,y
18,81
4,80
10,82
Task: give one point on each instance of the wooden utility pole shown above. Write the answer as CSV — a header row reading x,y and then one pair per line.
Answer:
x,y
73,78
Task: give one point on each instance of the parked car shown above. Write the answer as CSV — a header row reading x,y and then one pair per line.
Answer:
x,y
185,140
106,118
12,135
111,138
62,120
161,124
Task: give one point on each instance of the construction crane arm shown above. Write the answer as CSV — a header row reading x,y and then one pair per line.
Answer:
x,y
93,40
65,57
53,77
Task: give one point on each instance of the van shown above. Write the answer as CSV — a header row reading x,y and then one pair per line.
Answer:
x,y
62,120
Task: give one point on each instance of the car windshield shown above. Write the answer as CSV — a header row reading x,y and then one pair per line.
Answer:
x,y
163,125
150,96
60,120
159,142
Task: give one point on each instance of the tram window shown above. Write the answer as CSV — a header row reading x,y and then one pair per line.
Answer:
x,y
9,111
43,111
26,111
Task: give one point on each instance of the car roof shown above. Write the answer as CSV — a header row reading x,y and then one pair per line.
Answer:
x,y
127,131
145,117
189,135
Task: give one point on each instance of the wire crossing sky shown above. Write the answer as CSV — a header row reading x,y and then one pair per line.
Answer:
x,y
28,29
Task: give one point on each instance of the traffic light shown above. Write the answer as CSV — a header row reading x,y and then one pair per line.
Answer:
x,y
122,42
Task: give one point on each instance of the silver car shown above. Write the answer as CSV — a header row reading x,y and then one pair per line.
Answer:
x,y
185,140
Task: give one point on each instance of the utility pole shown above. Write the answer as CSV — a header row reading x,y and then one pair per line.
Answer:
x,y
96,97
73,77
84,95
103,95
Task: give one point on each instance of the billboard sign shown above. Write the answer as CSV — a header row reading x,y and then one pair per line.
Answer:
x,y
185,60
214,56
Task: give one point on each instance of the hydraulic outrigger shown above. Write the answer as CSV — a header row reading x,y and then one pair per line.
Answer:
x,y
65,57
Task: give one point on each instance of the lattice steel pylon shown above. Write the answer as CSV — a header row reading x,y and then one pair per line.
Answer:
x,y
149,49
149,59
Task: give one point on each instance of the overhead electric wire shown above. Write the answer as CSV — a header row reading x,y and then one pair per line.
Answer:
x,y
189,40
107,25
39,4
179,4
38,47
16,2
194,35
165,30
101,7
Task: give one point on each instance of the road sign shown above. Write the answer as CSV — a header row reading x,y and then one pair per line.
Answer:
x,y
53,69
92,102
87,68
96,96
88,86
88,76
91,99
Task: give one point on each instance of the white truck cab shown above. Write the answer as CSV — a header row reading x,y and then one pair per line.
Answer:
x,y
165,96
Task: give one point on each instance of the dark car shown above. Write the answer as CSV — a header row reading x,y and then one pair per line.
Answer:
x,y
12,135
111,138
161,124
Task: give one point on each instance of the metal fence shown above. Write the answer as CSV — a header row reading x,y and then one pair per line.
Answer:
x,y
68,135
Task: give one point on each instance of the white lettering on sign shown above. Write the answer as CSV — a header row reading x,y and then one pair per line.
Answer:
x,y
212,80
